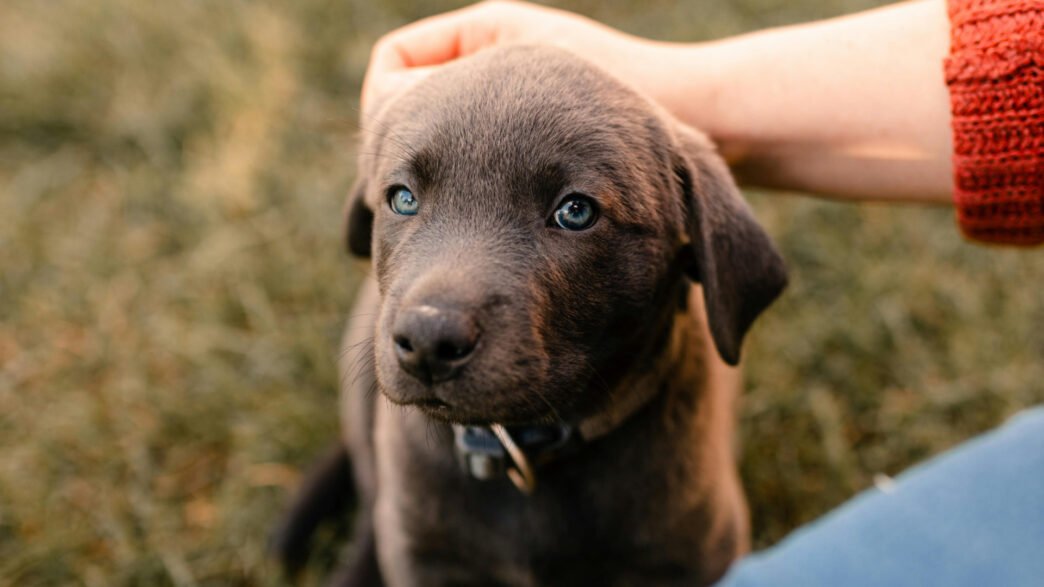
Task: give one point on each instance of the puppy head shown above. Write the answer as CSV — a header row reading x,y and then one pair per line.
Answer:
x,y
531,222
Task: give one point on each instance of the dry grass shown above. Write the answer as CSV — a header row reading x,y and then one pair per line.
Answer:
x,y
172,285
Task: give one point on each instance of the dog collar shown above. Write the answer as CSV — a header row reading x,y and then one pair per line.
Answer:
x,y
489,452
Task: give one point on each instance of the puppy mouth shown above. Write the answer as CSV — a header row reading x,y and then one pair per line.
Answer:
x,y
432,404
445,412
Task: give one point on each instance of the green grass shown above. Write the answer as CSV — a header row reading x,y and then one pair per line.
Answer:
x,y
172,287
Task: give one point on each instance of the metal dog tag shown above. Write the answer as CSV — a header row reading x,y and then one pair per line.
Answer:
x,y
479,452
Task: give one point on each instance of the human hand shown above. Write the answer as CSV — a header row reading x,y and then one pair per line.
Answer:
x,y
407,55
852,107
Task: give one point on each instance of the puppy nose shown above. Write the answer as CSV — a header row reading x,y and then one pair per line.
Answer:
x,y
432,343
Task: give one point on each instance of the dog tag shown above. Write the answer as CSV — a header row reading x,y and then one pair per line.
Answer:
x,y
479,452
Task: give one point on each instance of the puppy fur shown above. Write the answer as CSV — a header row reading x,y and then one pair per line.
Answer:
x,y
652,300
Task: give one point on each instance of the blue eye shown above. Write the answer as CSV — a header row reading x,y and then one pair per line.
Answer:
x,y
402,201
576,213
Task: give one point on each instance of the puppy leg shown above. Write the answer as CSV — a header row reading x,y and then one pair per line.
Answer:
x,y
328,490
361,570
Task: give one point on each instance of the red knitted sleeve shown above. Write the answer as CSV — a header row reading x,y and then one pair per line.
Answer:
x,y
995,73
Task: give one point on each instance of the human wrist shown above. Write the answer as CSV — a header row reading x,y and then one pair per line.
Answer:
x,y
698,84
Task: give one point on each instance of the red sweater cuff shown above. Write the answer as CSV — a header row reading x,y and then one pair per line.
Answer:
x,y
995,73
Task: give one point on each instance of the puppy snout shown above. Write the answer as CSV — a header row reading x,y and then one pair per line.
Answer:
x,y
433,343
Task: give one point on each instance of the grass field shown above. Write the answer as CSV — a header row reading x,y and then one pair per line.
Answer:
x,y
172,286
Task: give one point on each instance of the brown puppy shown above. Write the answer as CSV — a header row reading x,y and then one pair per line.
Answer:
x,y
538,231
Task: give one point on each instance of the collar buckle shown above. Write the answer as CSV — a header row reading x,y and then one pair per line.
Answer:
x,y
489,452
479,452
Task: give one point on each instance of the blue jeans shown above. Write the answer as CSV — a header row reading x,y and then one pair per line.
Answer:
x,y
973,516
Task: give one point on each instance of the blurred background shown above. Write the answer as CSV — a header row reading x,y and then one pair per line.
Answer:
x,y
172,286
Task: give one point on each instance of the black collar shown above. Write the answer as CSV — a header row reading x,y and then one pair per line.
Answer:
x,y
490,452
494,451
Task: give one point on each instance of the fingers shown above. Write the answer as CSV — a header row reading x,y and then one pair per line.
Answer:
x,y
437,39
405,56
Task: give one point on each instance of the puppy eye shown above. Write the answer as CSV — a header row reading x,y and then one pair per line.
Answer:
x,y
402,201
576,212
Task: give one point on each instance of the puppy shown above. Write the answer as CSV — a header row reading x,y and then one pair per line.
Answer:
x,y
563,278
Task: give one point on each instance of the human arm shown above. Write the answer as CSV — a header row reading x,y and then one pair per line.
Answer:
x,y
853,107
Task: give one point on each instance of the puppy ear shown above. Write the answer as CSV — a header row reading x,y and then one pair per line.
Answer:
x,y
731,255
358,220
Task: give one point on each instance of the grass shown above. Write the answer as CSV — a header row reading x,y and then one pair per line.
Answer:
x,y
172,287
